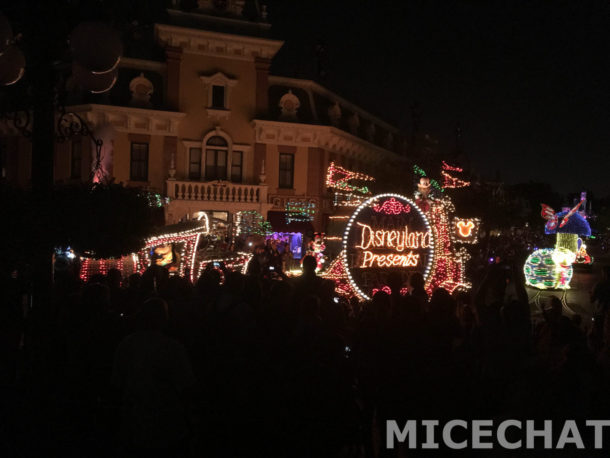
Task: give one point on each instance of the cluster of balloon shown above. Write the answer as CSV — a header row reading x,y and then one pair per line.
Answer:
x,y
96,51
12,61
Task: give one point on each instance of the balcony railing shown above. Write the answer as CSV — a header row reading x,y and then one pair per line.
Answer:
x,y
217,191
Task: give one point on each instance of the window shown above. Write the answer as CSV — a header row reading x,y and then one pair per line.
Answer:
x,y
218,96
76,159
139,162
216,159
286,170
217,91
194,163
236,164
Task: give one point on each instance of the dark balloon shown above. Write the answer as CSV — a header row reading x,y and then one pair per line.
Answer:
x,y
12,66
94,83
96,47
6,33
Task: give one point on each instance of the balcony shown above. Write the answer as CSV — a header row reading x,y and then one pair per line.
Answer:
x,y
217,191
190,197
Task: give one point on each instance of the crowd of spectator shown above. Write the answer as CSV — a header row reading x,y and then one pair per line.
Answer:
x,y
260,365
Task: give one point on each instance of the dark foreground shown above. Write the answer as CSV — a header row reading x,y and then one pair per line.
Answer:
x,y
262,367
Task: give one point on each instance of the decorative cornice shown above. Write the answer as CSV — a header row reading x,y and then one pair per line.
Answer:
x,y
287,133
218,77
218,113
244,147
328,137
279,200
191,143
130,119
143,64
232,21
204,42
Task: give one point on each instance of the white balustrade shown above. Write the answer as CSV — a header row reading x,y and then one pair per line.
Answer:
x,y
216,191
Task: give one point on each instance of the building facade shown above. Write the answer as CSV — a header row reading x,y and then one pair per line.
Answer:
x,y
199,118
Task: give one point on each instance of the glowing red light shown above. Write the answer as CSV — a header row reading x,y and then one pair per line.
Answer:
x,y
392,207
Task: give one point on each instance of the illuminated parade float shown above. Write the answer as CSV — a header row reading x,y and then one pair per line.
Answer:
x,y
177,248
395,234
551,268
369,238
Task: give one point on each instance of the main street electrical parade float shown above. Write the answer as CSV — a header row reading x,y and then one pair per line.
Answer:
x,y
379,235
551,268
180,248
371,236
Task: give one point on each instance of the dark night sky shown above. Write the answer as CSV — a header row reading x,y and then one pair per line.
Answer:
x,y
528,81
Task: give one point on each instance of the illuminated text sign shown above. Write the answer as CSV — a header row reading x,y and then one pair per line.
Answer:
x,y
387,233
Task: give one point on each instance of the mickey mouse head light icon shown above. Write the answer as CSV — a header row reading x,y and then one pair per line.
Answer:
x,y
465,230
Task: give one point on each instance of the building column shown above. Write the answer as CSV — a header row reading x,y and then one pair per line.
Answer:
x,y
174,60
262,86
170,155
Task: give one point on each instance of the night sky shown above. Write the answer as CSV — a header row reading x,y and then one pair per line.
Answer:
x,y
527,81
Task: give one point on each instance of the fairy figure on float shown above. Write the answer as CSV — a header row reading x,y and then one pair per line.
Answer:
x,y
551,268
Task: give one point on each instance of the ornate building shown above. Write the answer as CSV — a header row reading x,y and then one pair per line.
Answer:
x,y
197,116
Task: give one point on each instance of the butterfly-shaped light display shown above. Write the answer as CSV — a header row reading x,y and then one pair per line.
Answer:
x,y
553,220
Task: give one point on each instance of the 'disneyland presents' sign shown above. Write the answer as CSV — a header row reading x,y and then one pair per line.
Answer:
x,y
386,233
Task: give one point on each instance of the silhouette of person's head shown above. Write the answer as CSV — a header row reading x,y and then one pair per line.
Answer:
x,y
153,315
98,278
114,278
309,265
254,266
442,303
95,298
381,304
467,317
134,280
154,279
208,284
395,282
416,280
606,272
554,309
177,288
235,282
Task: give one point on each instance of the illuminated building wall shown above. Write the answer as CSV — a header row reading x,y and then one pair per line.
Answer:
x,y
212,92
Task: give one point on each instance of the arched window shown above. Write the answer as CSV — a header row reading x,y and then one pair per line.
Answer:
x,y
216,150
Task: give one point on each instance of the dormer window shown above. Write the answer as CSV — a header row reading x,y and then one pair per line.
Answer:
x,y
141,89
289,104
334,114
218,94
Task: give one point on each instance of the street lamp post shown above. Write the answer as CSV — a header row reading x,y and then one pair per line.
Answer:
x,y
37,100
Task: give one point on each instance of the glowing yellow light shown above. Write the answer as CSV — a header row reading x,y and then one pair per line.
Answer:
x,y
465,228
398,240
389,260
